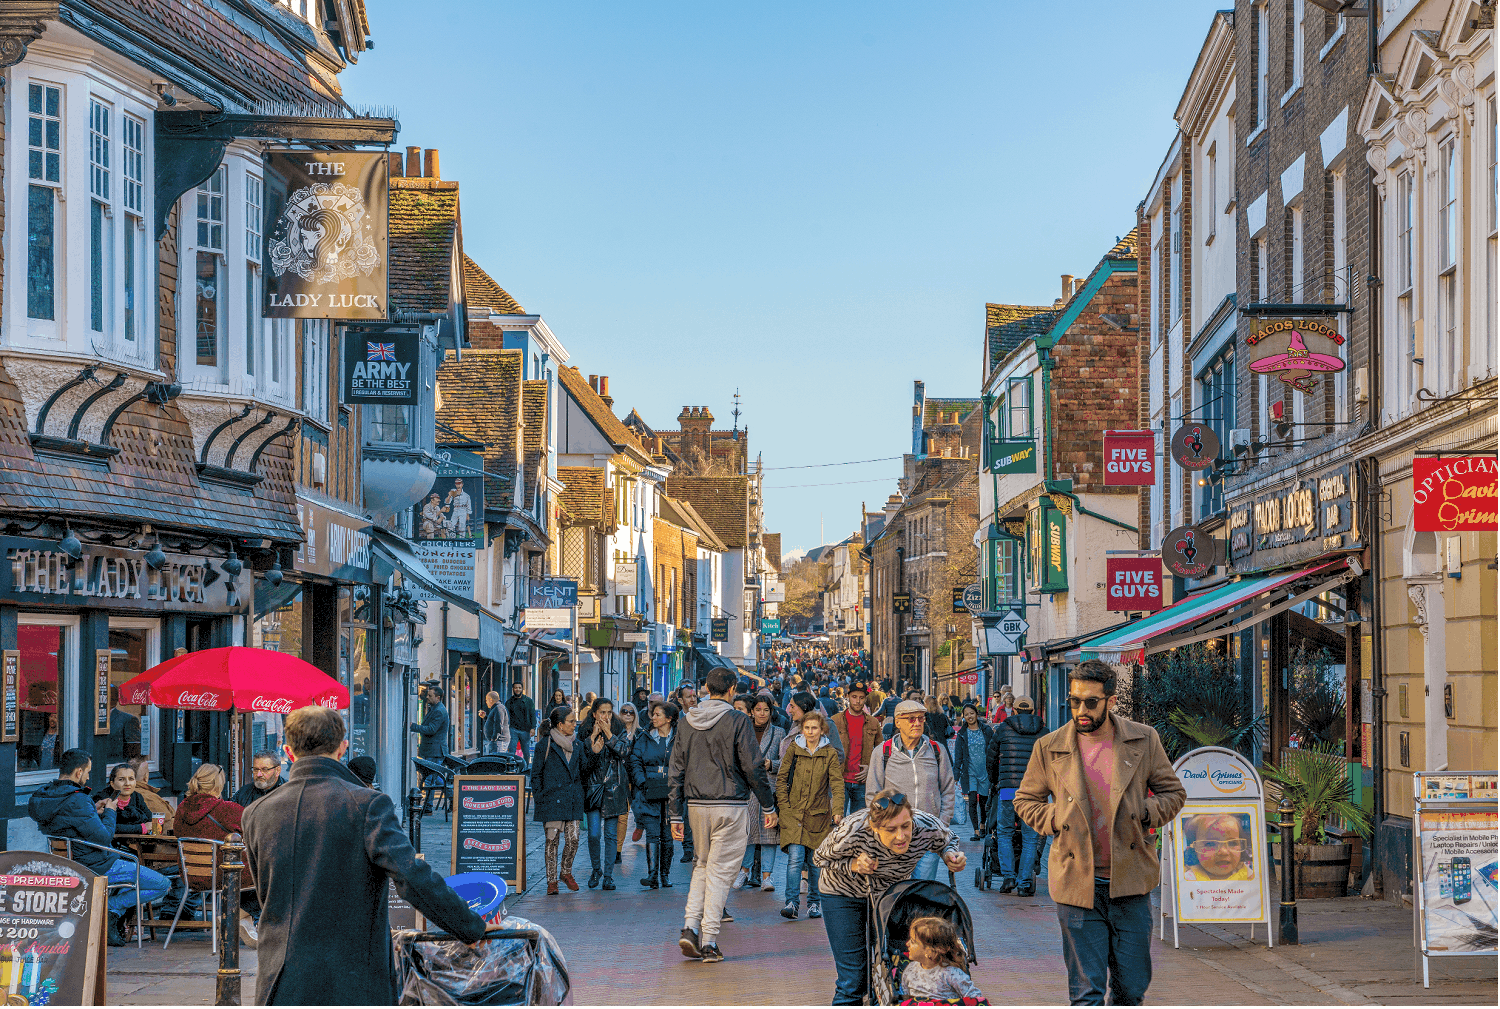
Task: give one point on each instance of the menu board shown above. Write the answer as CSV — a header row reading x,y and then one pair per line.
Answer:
x,y
489,832
101,692
52,919
10,690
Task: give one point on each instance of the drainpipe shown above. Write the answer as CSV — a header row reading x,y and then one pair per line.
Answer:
x,y
1055,487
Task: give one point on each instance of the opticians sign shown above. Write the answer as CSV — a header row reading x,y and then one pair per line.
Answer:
x,y
1129,458
325,248
1454,495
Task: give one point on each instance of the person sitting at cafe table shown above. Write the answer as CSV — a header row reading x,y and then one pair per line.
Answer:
x,y
133,816
364,769
64,808
154,800
203,813
265,778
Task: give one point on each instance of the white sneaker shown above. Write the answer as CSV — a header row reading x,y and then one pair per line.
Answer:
x,y
765,882
249,936
739,880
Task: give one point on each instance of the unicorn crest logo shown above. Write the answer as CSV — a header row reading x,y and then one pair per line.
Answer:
x,y
323,235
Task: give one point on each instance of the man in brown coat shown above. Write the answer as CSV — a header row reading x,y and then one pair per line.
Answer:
x,y
866,733
1099,769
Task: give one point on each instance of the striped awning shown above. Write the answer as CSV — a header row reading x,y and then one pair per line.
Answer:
x,y
1227,609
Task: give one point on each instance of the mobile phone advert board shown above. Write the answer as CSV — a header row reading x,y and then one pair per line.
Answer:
x,y
1214,860
1455,840
52,931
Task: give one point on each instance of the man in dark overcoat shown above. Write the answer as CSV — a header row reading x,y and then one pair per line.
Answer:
x,y
320,849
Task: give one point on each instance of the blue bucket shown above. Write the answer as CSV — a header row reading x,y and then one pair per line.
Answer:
x,y
484,892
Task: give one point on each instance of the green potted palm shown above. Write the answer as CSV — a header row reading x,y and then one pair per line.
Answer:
x,y
1316,783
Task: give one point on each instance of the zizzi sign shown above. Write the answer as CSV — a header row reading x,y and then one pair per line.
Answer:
x,y
325,226
381,367
1129,458
1454,495
1134,584
36,571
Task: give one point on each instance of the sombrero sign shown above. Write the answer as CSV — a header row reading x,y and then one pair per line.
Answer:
x,y
1295,350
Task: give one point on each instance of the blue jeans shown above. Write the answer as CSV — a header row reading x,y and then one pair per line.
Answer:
x,y
854,796
767,856
596,836
154,885
846,919
798,857
927,868
1107,945
1005,821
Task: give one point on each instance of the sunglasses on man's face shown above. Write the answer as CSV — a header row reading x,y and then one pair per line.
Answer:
x,y
1092,703
888,801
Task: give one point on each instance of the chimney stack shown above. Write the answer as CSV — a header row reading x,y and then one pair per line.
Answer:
x,y
414,162
398,168
1067,286
594,383
604,391
431,170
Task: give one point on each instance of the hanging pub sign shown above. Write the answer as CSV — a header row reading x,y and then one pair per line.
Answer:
x,y
325,250
381,367
1189,552
1134,584
1454,495
1129,458
1195,446
901,602
453,510
718,629
1294,350
1012,457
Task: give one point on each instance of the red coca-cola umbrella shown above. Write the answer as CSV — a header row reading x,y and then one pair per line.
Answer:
x,y
247,679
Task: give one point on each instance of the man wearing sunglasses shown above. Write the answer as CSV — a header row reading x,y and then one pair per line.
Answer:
x,y
1110,781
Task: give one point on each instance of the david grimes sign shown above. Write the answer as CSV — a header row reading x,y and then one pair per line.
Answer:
x,y
1453,495
325,225
381,367
489,826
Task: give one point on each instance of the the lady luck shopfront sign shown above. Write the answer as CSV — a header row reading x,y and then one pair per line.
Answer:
x,y
38,572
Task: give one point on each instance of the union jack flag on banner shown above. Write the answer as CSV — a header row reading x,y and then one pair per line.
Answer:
x,y
380,351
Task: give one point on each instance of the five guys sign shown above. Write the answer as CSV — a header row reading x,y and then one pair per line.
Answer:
x,y
1134,584
1129,458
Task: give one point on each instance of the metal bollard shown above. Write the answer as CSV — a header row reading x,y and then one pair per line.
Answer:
x,y
414,818
1288,875
227,985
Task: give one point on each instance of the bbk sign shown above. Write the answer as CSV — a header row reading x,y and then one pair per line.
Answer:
x,y
1129,458
1134,584
381,367
324,254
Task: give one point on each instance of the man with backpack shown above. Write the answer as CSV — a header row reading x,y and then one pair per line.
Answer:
x,y
1007,756
917,767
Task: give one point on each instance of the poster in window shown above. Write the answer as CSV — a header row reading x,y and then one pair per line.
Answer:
x,y
1220,862
325,248
101,692
10,730
1459,879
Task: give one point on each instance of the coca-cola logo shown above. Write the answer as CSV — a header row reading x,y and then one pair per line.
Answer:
x,y
275,705
504,800
469,842
204,699
328,702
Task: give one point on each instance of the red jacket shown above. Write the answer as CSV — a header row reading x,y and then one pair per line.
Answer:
x,y
203,815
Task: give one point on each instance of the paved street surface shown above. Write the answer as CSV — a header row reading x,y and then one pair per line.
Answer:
x,y
1354,951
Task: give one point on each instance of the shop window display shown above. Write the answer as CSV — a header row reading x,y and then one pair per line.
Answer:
x,y
44,664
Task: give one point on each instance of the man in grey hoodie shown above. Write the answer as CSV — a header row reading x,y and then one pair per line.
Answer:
x,y
918,768
716,763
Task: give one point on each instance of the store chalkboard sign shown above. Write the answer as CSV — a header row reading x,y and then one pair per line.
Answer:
x,y
52,921
489,826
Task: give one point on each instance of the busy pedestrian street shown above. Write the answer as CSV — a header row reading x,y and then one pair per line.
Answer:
x,y
507,502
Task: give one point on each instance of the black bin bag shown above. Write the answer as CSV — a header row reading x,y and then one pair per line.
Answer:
x,y
518,963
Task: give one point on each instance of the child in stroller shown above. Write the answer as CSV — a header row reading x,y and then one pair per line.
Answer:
x,y
937,972
893,918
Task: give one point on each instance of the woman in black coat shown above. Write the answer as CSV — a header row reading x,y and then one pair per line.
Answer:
x,y
971,748
606,795
557,791
649,760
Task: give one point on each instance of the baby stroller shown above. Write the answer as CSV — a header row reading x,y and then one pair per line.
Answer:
x,y
989,862
517,963
891,915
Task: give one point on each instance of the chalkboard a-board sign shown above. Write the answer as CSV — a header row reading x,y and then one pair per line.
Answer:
x,y
489,826
52,920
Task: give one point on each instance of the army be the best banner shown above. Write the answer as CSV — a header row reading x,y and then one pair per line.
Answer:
x,y
324,249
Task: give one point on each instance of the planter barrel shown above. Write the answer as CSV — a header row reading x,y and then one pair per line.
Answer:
x,y
1322,869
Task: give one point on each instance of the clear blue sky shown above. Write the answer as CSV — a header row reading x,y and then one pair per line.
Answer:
x,y
810,202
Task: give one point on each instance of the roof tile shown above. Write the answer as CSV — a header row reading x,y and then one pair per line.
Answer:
x,y
480,397
481,291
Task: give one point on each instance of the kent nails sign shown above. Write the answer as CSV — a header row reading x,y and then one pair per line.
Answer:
x,y
324,250
1129,458
381,367
1134,584
1454,494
